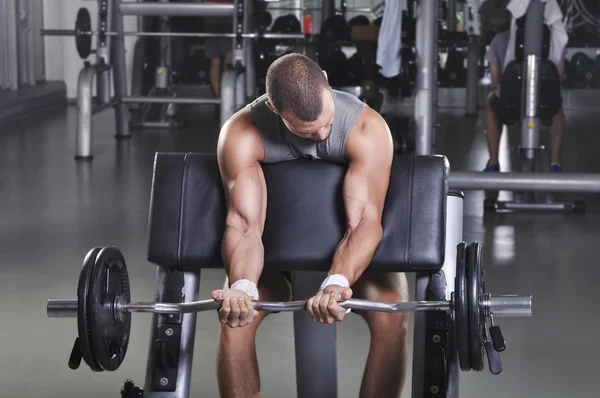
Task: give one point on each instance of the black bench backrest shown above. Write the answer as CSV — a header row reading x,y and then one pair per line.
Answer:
x,y
305,214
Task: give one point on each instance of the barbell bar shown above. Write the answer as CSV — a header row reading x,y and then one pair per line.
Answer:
x,y
103,310
269,36
317,9
498,306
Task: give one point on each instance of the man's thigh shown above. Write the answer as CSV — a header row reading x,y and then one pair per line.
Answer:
x,y
381,286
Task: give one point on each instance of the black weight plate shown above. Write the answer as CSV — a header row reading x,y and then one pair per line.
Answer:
x,y
335,28
475,297
83,23
359,20
110,336
461,317
83,326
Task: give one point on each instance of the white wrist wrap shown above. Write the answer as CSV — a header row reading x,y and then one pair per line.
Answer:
x,y
246,286
335,279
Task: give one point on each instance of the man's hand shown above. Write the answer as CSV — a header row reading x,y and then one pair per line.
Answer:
x,y
324,308
236,308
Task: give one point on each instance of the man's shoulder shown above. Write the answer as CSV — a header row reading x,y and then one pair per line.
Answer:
x,y
239,136
370,135
240,127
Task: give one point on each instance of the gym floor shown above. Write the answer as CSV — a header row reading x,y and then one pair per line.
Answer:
x,y
53,210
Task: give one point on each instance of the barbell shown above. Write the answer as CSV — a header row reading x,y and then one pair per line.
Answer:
x,y
83,34
103,310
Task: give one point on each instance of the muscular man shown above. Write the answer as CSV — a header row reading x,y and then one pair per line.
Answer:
x,y
301,116
496,56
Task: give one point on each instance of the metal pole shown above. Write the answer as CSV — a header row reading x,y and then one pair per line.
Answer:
x,y
426,84
37,8
451,15
189,290
454,235
228,85
315,344
26,43
266,36
137,76
62,308
170,100
250,51
420,327
119,68
525,182
239,52
510,306
177,9
12,61
530,128
472,104
291,306
502,306
83,138
103,55
23,44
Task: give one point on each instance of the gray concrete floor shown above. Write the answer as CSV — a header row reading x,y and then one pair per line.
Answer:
x,y
53,210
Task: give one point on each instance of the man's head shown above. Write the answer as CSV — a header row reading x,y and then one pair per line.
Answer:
x,y
298,91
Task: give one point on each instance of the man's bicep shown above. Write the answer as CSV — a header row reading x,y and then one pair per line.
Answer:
x,y
365,188
243,179
248,200
367,180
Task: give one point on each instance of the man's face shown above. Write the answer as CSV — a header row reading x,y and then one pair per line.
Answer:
x,y
317,130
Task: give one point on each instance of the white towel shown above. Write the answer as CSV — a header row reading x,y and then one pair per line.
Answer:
x,y
390,39
552,17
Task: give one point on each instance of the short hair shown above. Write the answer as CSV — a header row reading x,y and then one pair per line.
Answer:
x,y
295,83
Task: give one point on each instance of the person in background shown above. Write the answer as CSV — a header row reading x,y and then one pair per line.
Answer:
x,y
496,56
218,50
494,18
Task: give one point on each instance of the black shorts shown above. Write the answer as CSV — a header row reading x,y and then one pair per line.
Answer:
x,y
495,103
287,275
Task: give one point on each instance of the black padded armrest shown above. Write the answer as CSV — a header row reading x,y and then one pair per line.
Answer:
x,y
305,214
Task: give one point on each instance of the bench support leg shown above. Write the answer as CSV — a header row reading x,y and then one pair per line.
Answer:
x,y
315,344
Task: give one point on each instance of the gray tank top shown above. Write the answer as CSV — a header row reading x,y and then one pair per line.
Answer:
x,y
280,144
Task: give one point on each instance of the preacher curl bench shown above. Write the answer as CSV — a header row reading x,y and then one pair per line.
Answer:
x,y
422,224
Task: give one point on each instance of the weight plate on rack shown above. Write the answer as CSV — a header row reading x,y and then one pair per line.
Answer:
x,y
83,42
461,317
475,296
83,326
110,330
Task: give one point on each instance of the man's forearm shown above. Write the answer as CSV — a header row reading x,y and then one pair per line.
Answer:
x,y
243,255
355,251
